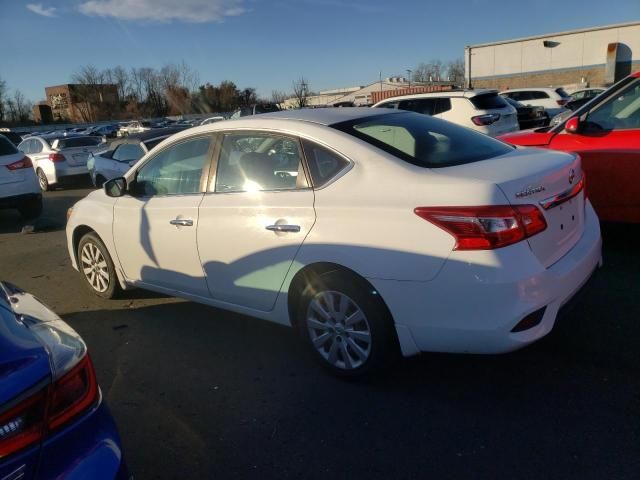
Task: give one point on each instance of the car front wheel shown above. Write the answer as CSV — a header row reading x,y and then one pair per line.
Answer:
x,y
96,267
347,325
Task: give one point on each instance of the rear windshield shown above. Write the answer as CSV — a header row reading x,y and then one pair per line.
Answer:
x,y
487,101
6,147
423,140
562,92
79,142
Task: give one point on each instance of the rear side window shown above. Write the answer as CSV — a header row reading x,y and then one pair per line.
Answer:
x,y
36,146
323,163
423,140
79,142
6,147
128,152
488,101
538,95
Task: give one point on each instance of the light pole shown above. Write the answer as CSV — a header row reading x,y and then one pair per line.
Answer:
x,y
409,76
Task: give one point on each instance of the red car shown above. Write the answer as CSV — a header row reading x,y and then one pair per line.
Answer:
x,y
605,132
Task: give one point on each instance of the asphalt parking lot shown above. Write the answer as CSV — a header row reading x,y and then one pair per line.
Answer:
x,y
202,393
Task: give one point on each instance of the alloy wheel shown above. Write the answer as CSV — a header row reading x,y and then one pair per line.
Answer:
x,y
339,330
94,267
42,180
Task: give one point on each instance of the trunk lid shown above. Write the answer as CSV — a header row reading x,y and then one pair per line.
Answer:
x,y
10,176
535,177
24,362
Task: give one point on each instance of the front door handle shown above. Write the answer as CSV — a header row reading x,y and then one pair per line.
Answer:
x,y
283,228
182,222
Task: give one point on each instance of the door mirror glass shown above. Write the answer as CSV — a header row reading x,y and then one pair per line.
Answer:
x,y
116,187
572,125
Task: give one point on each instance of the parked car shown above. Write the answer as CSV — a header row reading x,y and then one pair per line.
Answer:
x,y
553,100
18,183
107,131
209,120
528,116
133,127
256,109
296,217
605,132
482,110
58,158
580,97
121,155
53,419
13,137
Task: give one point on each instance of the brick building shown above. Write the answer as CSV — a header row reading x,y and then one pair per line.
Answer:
x,y
82,103
574,59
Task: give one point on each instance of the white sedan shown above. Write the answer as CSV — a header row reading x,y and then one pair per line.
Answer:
x,y
367,230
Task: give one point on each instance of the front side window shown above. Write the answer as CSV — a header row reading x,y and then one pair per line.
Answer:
x,y
175,170
620,112
128,152
424,141
259,162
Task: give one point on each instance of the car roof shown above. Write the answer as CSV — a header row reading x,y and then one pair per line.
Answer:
x,y
532,89
443,94
322,116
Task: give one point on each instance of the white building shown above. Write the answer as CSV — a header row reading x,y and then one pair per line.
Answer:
x,y
595,56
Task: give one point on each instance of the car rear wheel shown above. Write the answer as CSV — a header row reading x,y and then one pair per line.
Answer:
x,y
96,267
346,325
42,180
31,209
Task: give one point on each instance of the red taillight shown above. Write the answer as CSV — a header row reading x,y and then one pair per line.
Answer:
x,y
23,424
72,394
49,409
487,119
562,102
486,228
24,162
56,157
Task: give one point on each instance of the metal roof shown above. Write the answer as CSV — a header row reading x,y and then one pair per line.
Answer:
x,y
558,34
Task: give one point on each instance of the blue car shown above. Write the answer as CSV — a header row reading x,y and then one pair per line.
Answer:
x,y
54,423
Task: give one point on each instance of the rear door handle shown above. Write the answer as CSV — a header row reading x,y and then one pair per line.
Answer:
x,y
182,222
283,228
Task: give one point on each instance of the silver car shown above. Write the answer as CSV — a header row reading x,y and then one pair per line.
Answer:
x,y
57,158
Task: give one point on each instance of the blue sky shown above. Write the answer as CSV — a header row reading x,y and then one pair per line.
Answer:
x,y
266,44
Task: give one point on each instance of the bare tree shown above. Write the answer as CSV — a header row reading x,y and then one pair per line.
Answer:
x,y
278,97
18,108
3,94
301,92
429,72
455,71
121,79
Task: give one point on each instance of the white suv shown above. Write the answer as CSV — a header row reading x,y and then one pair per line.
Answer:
x,y
482,110
553,100
18,183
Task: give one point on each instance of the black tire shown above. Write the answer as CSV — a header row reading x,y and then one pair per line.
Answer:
x,y
42,180
382,349
100,181
31,209
95,280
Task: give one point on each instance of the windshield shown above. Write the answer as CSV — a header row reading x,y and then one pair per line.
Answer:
x,y
423,140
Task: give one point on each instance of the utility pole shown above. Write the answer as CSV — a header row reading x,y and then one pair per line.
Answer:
x,y
409,76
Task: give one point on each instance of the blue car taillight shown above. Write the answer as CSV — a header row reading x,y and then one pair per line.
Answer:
x,y
73,390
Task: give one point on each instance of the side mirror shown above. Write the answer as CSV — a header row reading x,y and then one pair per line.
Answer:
x,y
572,125
116,187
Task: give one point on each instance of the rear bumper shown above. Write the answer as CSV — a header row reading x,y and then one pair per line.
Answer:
x,y
478,297
90,448
17,201
61,172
